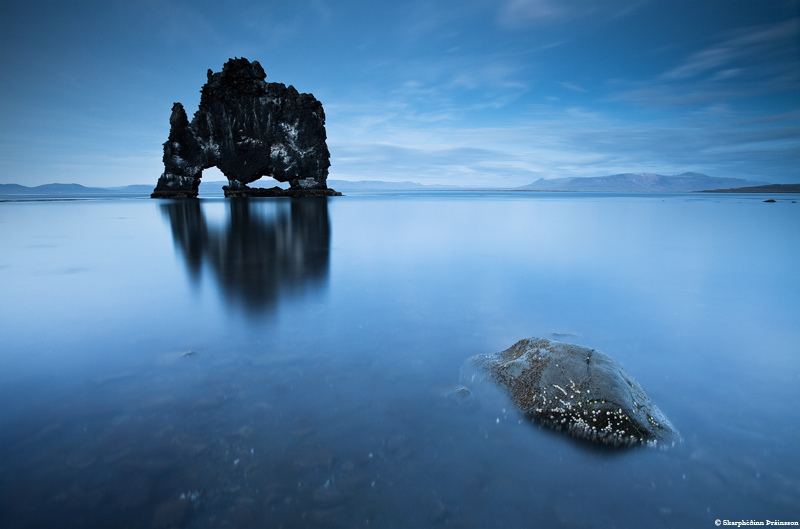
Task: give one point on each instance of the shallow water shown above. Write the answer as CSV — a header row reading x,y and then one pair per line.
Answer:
x,y
278,362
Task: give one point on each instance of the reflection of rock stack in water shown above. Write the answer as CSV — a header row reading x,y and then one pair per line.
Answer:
x,y
189,232
260,254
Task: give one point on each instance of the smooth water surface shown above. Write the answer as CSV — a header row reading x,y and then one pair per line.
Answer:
x,y
289,363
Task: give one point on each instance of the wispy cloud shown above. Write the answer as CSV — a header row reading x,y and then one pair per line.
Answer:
x,y
701,63
753,61
521,13
756,45
573,87
443,88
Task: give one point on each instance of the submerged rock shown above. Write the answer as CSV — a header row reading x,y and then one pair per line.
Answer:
x,y
578,390
248,128
459,393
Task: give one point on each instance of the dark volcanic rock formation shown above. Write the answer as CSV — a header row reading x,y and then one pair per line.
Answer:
x,y
248,128
578,390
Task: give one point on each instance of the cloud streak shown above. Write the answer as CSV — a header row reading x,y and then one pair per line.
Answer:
x,y
754,62
517,14
753,46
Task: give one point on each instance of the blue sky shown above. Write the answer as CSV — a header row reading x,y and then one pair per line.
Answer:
x,y
470,92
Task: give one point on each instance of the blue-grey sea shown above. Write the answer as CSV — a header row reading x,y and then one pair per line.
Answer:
x,y
288,363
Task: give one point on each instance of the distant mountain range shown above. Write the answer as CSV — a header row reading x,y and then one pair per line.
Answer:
x,y
378,185
620,183
640,183
206,188
79,191
769,188
74,190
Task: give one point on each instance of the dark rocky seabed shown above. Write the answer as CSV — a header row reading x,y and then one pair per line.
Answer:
x,y
290,362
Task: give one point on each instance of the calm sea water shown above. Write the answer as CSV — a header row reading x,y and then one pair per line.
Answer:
x,y
287,363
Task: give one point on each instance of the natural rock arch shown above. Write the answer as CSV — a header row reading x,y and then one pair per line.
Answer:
x,y
247,128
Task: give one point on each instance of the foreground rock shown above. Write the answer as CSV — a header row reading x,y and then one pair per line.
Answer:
x,y
578,390
248,128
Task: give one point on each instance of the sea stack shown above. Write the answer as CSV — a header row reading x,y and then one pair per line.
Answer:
x,y
247,128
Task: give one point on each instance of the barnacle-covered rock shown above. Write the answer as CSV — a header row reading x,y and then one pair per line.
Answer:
x,y
248,128
578,390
